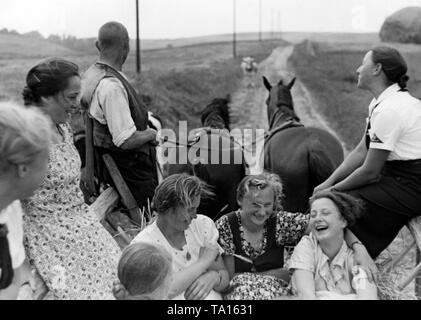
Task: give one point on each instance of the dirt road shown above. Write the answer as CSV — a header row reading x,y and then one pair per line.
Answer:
x,y
248,102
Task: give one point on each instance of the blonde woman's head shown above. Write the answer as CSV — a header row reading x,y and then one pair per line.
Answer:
x,y
251,183
25,136
260,197
177,200
144,273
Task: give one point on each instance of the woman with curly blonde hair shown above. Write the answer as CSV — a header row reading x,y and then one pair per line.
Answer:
x,y
253,238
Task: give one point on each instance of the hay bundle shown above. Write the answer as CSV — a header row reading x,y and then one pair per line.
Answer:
x,y
403,26
388,280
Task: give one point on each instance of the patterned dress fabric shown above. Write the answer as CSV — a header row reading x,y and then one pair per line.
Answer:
x,y
65,242
290,227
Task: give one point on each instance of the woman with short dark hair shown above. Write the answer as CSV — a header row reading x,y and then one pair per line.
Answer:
x,y
385,168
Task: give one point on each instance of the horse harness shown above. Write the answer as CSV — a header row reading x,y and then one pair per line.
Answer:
x,y
203,131
289,124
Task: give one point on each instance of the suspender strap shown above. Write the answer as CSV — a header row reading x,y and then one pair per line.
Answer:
x,y
124,81
235,229
271,230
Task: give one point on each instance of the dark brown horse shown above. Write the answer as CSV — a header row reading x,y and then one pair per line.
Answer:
x,y
303,156
218,160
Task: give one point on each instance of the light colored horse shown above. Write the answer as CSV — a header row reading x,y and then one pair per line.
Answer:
x,y
156,124
249,66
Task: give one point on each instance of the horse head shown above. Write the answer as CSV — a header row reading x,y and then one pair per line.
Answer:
x,y
279,101
217,114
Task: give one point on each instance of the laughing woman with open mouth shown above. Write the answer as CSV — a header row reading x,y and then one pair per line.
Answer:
x,y
323,265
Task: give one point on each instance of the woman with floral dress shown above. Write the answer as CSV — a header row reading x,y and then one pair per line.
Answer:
x,y
253,240
72,253
258,234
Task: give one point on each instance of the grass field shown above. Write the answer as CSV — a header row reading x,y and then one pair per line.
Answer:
x,y
179,80
15,47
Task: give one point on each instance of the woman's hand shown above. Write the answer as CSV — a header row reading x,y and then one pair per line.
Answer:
x,y
201,287
323,186
39,288
363,259
86,190
208,254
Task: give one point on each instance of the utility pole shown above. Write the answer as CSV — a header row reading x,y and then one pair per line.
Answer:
x,y
234,38
260,20
138,61
272,26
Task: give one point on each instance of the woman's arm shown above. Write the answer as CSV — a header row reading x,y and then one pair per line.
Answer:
x,y
361,255
223,277
368,173
229,262
303,281
184,278
354,160
215,278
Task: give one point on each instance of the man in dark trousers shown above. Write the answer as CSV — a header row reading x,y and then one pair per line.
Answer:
x,y
118,118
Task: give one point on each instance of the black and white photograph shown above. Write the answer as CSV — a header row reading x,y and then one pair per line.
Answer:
x,y
216,153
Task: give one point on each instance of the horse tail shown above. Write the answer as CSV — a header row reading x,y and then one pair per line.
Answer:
x,y
321,164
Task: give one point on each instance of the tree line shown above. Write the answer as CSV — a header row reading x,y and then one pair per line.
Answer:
x,y
67,41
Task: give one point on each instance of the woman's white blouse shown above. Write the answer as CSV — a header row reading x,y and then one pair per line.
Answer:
x,y
201,232
396,124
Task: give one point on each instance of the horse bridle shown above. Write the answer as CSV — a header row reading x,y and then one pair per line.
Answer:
x,y
290,122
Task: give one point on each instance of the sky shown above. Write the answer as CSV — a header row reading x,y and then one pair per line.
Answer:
x,y
169,19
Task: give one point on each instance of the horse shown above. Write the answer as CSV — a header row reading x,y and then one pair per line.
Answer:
x,y
302,156
220,162
249,66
